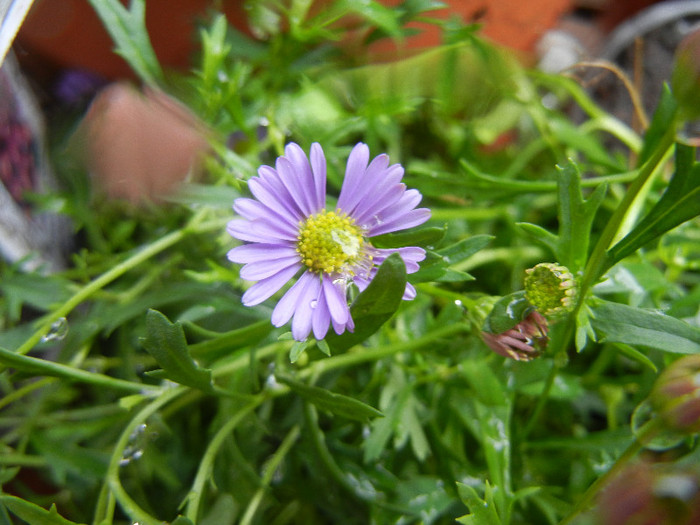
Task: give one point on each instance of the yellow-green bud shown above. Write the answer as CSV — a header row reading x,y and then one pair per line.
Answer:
x,y
551,288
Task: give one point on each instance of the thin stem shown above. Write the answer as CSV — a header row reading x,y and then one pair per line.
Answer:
x,y
270,469
206,464
43,367
134,511
195,226
599,262
373,354
541,401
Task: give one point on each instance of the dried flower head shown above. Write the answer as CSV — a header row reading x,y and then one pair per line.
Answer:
x,y
290,230
524,342
551,288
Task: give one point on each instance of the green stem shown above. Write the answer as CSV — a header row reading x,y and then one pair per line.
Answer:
x,y
132,509
103,280
43,367
599,261
541,401
270,469
206,464
374,354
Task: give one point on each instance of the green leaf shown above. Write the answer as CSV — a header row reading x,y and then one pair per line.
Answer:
x,y
31,513
464,249
165,341
419,237
541,235
328,401
575,217
375,305
679,203
664,119
481,511
620,323
507,312
128,30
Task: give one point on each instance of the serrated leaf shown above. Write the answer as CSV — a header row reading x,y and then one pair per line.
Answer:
x,y
31,513
375,305
165,341
508,311
575,217
127,27
481,511
620,323
679,203
328,401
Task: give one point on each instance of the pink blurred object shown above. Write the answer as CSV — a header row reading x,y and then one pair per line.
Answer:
x,y
140,146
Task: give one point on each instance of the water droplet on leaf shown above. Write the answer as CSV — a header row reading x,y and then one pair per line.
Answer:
x,y
57,332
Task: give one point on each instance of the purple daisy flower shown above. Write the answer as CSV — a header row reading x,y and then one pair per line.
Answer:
x,y
289,230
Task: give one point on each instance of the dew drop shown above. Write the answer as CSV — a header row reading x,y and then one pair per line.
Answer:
x,y
57,332
135,445
313,304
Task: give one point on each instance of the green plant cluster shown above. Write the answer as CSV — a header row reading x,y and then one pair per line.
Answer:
x,y
136,388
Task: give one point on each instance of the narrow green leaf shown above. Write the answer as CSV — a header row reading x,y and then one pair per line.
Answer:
x,y
31,513
297,350
375,305
679,203
38,366
664,119
328,401
620,323
541,235
464,249
127,27
165,341
419,237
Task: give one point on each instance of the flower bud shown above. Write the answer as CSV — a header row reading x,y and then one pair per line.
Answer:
x,y
525,341
662,494
676,395
685,77
551,288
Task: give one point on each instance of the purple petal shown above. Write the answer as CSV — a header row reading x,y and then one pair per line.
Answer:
x,y
401,222
268,189
258,270
336,301
241,229
411,256
356,166
303,311
318,166
372,180
372,208
255,210
321,317
296,184
284,310
248,253
266,288
410,293
305,177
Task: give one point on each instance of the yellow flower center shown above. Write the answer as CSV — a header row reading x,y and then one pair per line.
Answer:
x,y
329,242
